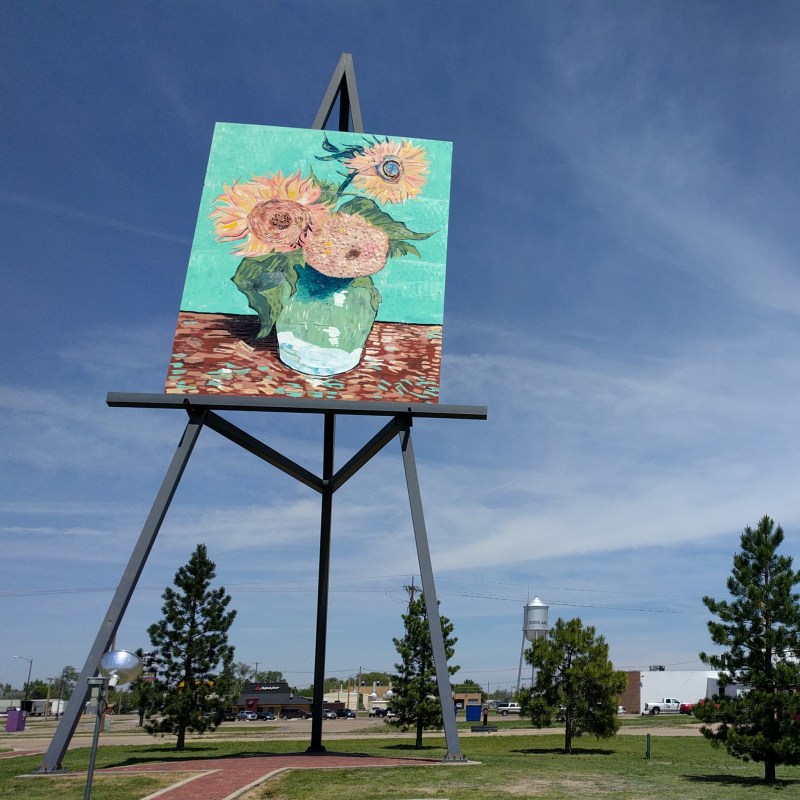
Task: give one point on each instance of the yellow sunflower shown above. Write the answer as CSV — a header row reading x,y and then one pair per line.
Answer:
x,y
390,171
273,214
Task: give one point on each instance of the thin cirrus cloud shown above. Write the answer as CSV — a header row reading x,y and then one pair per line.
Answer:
x,y
674,449
30,203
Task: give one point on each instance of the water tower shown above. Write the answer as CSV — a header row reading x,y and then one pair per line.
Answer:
x,y
534,626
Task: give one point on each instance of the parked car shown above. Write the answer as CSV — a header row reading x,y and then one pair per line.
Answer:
x,y
504,709
247,716
377,711
620,709
265,715
295,713
228,716
328,713
687,708
345,713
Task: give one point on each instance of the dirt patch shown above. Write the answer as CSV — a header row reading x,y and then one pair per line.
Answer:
x,y
587,788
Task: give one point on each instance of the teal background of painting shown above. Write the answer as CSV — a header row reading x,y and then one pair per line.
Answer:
x,y
412,288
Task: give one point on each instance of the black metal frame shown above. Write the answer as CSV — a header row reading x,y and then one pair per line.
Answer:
x,y
202,410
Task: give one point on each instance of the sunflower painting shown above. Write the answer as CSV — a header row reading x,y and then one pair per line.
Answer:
x,y
317,268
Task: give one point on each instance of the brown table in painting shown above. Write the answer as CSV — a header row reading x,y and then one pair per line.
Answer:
x,y
220,354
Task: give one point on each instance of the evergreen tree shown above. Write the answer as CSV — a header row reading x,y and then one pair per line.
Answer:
x,y
575,682
416,700
194,662
759,628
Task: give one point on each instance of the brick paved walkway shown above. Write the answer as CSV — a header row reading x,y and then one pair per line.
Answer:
x,y
16,753
228,778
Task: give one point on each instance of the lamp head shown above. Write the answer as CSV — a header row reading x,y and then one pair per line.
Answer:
x,y
120,666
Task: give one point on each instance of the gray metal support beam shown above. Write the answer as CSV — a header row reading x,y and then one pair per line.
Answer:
x,y
343,85
108,627
429,592
370,449
323,582
263,451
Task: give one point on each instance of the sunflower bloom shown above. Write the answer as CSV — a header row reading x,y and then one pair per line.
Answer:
x,y
390,171
347,246
274,214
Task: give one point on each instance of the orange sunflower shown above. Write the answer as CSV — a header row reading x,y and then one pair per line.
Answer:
x,y
347,246
273,214
390,171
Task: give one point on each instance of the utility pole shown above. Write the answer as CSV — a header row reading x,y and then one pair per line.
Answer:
x,y
412,590
255,672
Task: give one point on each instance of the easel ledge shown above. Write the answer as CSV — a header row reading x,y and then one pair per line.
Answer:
x,y
293,405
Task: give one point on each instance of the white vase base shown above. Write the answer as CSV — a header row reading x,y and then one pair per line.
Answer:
x,y
311,359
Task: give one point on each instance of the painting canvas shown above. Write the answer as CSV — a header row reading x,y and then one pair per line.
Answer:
x,y
317,268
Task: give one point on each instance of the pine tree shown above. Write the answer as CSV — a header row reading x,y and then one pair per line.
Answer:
x,y
575,682
416,700
760,631
194,662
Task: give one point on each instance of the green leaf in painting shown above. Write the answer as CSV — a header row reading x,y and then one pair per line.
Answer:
x,y
368,208
261,280
399,248
330,190
365,282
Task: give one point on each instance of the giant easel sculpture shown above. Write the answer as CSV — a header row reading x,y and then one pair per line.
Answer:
x,y
202,410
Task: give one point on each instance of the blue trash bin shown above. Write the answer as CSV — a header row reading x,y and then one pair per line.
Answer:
x,y
473,713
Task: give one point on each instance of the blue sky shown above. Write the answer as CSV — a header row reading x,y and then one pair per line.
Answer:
x,y
623,293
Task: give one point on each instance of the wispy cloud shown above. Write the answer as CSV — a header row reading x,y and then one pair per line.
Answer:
x,y
29,202
659,162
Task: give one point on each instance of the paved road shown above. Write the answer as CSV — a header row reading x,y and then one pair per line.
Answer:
x,y
124,731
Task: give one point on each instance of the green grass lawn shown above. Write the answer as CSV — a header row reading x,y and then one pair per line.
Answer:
x,y
534,767
513,767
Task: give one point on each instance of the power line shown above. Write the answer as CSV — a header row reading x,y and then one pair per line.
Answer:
x,y
412,589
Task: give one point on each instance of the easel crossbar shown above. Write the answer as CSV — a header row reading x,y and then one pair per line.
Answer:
x,y
297,405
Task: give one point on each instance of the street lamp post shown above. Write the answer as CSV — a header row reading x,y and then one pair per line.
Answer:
x,y
28,684
47,702
116,666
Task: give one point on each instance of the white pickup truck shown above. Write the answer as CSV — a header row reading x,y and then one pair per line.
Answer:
x,y
504,709
667,705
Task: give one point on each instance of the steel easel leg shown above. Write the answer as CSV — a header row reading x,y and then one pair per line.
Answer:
x,y
429,592
326,514
108,627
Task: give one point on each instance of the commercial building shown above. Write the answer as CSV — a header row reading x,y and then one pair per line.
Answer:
x,y
648,685
272,697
